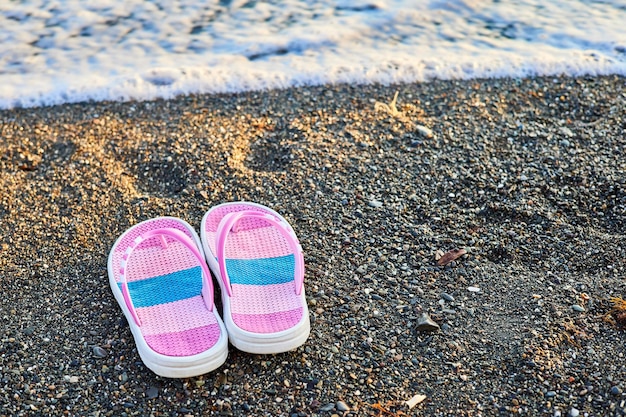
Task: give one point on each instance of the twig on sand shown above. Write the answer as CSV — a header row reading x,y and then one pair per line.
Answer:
x,y
393,111
382,411
450,256
389,108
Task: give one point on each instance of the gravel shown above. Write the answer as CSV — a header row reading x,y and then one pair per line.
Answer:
x,y
528,176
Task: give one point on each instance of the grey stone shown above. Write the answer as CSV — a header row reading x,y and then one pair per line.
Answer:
x,y
99,352
152,392
426,324
424,131
341,406
447,296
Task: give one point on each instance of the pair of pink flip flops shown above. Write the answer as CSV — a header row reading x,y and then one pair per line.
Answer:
x,y
159,276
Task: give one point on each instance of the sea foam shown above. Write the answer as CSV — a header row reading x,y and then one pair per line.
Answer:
x,y
71,51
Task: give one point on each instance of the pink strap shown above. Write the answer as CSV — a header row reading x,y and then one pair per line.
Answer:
x,y
230,220
207,283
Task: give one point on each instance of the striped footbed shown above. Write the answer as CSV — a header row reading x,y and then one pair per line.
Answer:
x,y
261,267
165,286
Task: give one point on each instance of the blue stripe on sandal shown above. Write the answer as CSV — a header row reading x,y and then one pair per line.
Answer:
x,y
168,288
265,271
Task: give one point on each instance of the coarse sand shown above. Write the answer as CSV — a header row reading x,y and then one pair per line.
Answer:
x,y
528,176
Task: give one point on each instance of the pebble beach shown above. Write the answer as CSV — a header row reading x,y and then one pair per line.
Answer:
x,y
465,246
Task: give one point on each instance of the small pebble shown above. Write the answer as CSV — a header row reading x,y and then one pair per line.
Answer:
x,y
447,297
98,352
615,390
152,392
567,132
578,308
375,204
473,289
424,131
574,412
341,406
426,324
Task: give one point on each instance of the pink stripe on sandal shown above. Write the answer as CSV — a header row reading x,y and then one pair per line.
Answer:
x,y
155,318
145,266
246,243
269,323
263,299
185,343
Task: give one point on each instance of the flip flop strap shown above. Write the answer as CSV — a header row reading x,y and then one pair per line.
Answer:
x,y
207,284
229,221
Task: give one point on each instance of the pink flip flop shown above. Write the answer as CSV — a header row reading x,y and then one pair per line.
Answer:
x,y
160,279
257,260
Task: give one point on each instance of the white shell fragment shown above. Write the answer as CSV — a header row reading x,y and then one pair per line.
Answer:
x,y
424,131
415,400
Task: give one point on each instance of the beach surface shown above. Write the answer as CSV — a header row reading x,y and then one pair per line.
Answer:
x,y
527,176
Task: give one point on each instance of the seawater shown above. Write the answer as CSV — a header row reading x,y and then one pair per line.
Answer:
x,y
63,51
